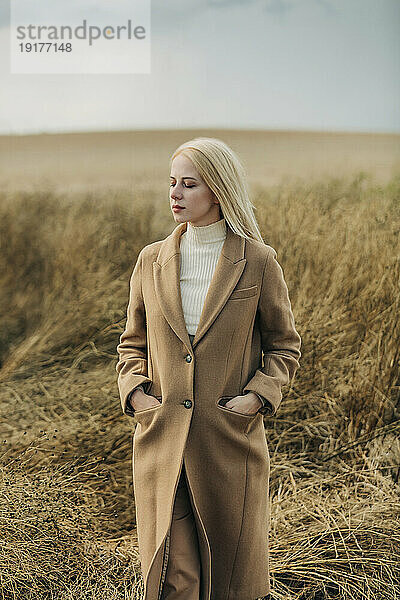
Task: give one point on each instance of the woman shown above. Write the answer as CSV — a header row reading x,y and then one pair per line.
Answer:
x,y
209,342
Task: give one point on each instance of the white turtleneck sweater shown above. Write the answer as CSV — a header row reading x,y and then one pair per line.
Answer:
x,y
200,249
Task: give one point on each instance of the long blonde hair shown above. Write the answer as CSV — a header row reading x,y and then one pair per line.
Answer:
x,y
223,173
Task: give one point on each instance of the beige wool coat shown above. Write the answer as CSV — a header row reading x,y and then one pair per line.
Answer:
x,y
246,340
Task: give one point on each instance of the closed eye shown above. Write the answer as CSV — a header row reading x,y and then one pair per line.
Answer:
x,y
187,186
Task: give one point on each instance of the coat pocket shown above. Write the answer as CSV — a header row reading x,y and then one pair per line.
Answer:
x,y
222,400
150,408
244,293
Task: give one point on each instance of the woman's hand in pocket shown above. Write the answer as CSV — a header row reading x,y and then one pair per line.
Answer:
x,y
247,404
140,400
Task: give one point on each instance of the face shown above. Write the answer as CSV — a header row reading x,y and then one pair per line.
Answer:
x,y
189,191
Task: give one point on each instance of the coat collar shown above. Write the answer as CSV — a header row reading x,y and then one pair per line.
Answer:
x,y
166,273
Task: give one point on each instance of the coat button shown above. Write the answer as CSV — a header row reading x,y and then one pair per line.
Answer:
x,y
188,358
187,403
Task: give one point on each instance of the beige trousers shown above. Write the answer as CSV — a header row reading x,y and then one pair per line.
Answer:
x,y
183,574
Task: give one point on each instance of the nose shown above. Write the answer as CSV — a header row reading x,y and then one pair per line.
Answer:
x,y
175,194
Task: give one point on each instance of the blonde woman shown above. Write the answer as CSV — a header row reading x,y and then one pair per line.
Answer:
x,y
209,342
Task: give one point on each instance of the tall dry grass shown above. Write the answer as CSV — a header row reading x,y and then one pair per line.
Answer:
x,y
67,523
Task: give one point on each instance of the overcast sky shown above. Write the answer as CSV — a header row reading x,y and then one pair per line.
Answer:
x,y
271,64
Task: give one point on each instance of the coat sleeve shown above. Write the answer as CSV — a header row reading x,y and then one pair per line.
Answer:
x,y
279,339
132,348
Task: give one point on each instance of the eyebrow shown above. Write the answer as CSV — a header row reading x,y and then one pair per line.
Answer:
x,y
194,179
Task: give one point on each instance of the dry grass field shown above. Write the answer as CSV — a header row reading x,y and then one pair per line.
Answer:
x,y
138,160
67,522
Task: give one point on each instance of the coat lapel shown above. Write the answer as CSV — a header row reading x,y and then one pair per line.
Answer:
x,y
166,273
